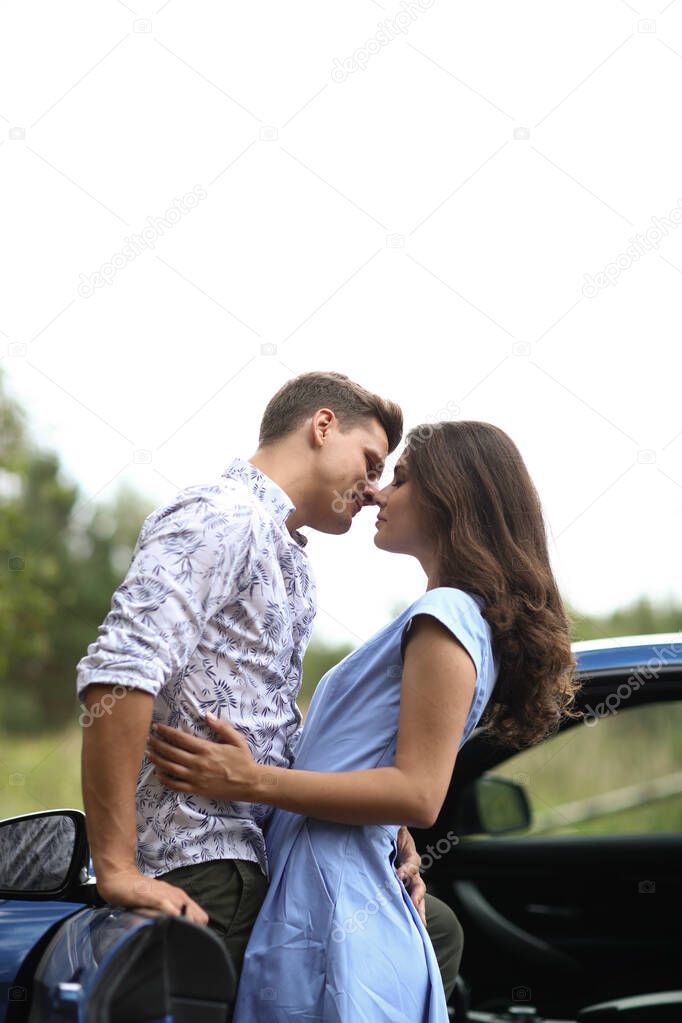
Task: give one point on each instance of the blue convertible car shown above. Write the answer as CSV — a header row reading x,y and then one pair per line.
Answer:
x,y
563,863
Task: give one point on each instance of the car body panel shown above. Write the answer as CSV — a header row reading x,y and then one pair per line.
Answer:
x,y
629,652
23,925
84,944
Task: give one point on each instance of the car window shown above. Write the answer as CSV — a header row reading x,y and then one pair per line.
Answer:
x,y
621,773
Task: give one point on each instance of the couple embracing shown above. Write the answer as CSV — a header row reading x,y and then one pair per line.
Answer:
x,y
203,792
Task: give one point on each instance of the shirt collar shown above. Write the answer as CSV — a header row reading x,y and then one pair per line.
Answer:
x,y
270,494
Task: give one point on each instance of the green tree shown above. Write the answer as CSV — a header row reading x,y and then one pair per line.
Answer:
x,y
640,618
58,569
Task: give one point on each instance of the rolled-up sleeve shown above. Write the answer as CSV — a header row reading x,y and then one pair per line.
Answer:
x,y
187,562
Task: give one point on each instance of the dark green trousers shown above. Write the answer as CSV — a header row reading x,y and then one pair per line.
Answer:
x,y
447,938
232,891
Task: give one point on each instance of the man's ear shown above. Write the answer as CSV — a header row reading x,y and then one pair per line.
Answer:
x,y
320,425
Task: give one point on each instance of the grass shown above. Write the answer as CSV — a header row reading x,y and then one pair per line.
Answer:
x,y
632,746
41,773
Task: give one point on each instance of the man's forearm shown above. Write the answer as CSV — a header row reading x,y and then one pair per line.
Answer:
x,y
113,747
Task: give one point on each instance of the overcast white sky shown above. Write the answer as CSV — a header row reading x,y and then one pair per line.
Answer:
x,y
412,194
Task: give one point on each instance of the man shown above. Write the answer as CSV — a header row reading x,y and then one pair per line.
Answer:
x,y
216,609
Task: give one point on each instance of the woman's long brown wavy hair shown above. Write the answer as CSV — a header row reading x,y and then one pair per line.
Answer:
x,y
474,491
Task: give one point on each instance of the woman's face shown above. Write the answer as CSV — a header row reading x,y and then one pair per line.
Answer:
x,y
398,526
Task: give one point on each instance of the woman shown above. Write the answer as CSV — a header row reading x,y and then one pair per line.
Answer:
x,y
337,937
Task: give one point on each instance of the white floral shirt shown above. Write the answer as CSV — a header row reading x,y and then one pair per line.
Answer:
x,y
214,614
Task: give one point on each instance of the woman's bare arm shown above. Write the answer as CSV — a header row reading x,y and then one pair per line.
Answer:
x,y
436,692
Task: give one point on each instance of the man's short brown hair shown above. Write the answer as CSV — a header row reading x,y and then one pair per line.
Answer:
x,y
350,403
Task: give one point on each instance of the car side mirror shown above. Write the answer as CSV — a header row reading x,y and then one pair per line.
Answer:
x,y
493,806
43,855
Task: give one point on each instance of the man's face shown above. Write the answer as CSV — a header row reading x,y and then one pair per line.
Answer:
x,y
351,464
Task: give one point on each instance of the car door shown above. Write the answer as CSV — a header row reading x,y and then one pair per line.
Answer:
x,y
43,859
65,955
584,904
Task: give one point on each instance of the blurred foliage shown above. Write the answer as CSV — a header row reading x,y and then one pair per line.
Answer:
x,y
640,618
61,558
318,659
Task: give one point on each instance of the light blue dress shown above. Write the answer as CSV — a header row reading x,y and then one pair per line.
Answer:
x,y
337,938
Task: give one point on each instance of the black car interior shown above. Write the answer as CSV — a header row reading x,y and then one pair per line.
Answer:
x,y
567,927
